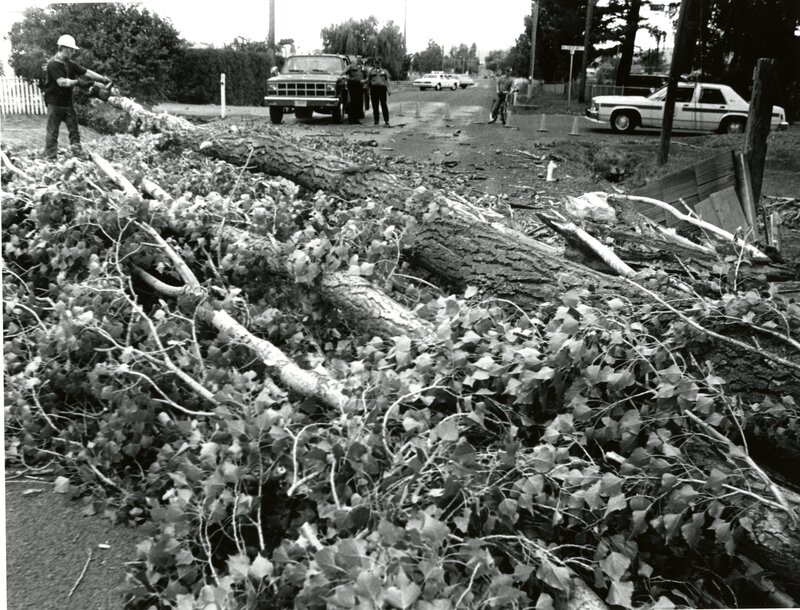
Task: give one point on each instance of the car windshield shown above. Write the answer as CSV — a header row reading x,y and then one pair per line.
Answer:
x,y
429,76
314,64
684,94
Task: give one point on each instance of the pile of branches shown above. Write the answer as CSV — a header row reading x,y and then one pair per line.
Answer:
x,y
332,390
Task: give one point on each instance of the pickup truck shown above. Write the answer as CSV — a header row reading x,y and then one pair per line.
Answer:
x,y
698,107
307,84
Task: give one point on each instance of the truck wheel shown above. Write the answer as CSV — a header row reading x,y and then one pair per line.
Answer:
x,y
733,126
275,114
303,113
438,86
623,121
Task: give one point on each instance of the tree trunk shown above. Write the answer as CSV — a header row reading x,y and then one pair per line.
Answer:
x,y
626,57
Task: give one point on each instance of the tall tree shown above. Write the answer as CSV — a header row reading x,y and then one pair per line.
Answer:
x,y
739,32
128,43
560,22
364,38
626,55
432,58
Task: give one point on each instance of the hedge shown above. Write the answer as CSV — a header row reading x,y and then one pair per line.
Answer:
x,y
196,75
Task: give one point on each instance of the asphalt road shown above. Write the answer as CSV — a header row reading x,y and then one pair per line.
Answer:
x,y
409,107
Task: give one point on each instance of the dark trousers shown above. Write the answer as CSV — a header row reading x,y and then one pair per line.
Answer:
x,y
355,109
378,95
496,107
55,115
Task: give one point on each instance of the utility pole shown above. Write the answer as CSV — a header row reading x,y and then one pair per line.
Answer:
x,y
405,22
271,33
683,51
534,27
587,46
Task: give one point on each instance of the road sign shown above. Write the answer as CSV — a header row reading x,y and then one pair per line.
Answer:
x,y
571,47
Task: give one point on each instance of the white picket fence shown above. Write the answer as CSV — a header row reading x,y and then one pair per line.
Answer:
x,y
20,96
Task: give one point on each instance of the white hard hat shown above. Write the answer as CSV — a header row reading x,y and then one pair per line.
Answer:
x,y
67,41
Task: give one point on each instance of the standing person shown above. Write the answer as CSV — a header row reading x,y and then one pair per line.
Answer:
x,y
62,77
367,68
378,82
504,86
355,91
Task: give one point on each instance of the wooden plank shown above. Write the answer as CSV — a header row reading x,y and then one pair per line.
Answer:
x,y
728,210
720,184
707,211
709,168
774,235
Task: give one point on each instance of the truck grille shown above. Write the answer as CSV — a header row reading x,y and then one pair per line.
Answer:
x,y
301,89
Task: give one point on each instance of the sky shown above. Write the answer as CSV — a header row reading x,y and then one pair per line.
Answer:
x,y
448,22
490,25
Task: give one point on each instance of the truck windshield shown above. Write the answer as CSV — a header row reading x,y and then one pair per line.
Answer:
x,y
313,64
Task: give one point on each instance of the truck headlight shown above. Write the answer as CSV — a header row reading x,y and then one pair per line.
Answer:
x,y
330,89
272,89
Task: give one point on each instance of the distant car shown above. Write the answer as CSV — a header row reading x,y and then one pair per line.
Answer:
x,y
435,80
451,80
698,107
464,80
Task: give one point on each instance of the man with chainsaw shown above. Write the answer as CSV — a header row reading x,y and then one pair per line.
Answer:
x,y
61,77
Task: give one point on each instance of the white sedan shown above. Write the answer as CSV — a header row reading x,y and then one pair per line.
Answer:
x,y
698,107
436,81
464,80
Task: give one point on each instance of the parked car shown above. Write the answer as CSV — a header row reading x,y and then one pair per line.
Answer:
x,y
464,80
308,84
698,107
451,81
434,80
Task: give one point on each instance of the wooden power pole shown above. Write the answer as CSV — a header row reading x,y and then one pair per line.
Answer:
x,y
587,46
271,32
758,122
534,27
684,49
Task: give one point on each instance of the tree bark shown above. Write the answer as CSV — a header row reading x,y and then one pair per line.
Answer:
x,y
626,55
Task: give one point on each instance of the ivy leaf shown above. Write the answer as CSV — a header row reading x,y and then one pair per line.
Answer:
x,y
615,503
692,530
544,458
620,593
61,485
470,292
404,593
343,597
260,568
369,586
615,565
544,602
447,430
555,576
238,566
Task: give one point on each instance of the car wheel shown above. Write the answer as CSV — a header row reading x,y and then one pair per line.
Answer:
x,y
623,122
275,114
733,126
438,86
303,113
454,87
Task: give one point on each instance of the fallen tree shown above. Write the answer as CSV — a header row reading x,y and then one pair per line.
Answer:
x,y
523,426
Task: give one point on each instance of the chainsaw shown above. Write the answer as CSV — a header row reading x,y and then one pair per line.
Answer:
x,y
101,92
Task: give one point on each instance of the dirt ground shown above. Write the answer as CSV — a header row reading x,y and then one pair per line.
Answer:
x,y
48,538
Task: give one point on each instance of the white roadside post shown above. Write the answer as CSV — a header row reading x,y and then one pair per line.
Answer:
x,y
571,48
222,94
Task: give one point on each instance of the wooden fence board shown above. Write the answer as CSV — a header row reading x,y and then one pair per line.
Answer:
x,y
20,96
